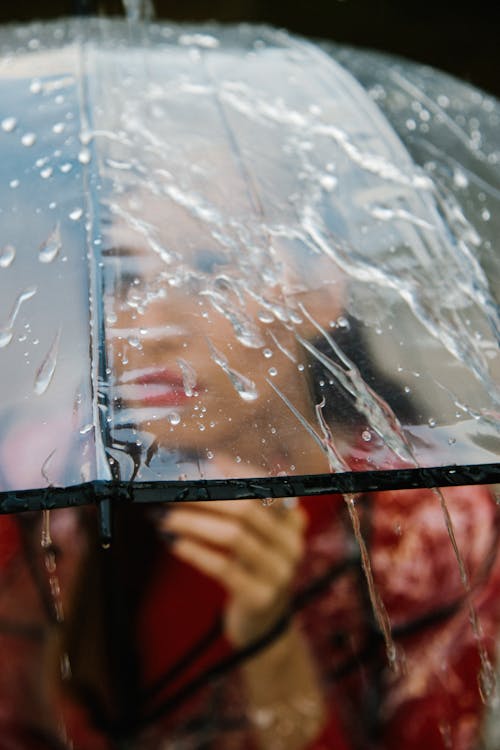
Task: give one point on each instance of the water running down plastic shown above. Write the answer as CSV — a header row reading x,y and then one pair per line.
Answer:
x,y
342,242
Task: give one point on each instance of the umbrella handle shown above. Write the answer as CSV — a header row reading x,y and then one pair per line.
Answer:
x,y
105,522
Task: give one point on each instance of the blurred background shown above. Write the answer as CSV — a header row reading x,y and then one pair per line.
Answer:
x,y
459,38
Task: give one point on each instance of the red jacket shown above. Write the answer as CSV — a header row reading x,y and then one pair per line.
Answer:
x,y
431,700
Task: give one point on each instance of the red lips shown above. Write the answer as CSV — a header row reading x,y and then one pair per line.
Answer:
x,y
152,387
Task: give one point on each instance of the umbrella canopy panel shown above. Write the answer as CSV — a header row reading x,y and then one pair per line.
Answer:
x,y
224,273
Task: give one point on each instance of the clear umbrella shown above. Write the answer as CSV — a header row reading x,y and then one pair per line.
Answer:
x,y
230,269
214,245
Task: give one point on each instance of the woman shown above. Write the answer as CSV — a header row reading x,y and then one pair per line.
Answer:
x,y
241,624
221,651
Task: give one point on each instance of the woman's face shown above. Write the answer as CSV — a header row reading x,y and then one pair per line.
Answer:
x,y
200,347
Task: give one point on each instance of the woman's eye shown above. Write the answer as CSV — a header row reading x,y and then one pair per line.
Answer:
x,y
208,261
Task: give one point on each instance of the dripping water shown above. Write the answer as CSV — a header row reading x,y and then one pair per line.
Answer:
x,y
50,563
385,423
7,255
138,10
188,376
45,372
337,464
6,332
244,387
49,250
394,658
246,332
486,677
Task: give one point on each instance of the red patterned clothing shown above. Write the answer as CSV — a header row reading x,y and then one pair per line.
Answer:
x,y
430,699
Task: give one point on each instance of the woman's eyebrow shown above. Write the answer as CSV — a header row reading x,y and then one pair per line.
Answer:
x,y
122,251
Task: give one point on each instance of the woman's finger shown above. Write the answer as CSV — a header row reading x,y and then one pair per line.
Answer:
x,y
235,539
279,528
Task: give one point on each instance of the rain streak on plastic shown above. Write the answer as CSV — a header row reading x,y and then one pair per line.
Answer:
x,y
219,259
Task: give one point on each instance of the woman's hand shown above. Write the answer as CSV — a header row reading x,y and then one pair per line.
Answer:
x,y
250,549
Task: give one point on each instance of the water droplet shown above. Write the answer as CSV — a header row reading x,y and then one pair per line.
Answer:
x,y
46,173
407,389
431,422
86,428
6,332
459,178
5,337
76,214
295,317
66,667
200,40
238,461
300,368
9,124
267,353
85,156
7,255
49,249
210,455
487,682
188,376
14,183
58,128
266,502
134,342
366,435
174,418
245,387
46,370
28,139
265,316
273,372
66,167
328,182
35,86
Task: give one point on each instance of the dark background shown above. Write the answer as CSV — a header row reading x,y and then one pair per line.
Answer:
x,y
464,40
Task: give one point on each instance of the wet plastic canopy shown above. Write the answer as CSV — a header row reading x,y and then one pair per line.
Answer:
x,y
228,269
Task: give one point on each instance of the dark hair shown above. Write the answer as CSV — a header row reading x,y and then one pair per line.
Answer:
x,y
353,340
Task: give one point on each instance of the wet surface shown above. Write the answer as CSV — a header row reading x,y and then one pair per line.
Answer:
x,y
220,267
224,277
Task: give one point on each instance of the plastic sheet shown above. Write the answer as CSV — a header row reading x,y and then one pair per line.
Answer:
x,y
225,275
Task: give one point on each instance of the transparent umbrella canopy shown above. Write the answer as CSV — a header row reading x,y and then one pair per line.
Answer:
x,y
237,265
230,269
